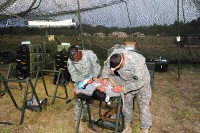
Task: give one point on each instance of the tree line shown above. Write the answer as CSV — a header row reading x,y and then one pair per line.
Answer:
x,y
192,27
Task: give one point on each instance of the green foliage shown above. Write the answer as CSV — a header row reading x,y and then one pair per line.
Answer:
x,y
192,27
150,45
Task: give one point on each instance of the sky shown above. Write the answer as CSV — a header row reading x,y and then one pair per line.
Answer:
x,y
140,12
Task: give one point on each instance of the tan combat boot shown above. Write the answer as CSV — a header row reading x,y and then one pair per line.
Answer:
x,y
127,128
145,130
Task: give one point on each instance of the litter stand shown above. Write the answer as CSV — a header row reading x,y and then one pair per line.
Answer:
x,y
117,120
27,82
10,73
40,74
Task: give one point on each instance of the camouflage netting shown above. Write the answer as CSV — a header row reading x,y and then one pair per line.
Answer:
x,y
120,13
110,13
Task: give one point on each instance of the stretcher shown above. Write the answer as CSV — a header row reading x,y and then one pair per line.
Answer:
x,y
110,120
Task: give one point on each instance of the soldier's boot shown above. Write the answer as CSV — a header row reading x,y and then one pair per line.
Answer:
x,y
84,117
145,130
127,128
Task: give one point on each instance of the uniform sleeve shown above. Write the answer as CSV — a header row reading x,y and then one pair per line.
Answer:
x,y
76,77
106,71
137,81
95,66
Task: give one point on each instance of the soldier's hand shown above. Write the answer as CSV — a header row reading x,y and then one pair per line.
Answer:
x,y
90,81
117,89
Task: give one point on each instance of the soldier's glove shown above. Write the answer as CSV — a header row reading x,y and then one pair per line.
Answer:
x,y
80,85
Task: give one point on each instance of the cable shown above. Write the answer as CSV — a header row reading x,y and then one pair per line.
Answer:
x,y
22,14
57,5
7,4
37,5
127,12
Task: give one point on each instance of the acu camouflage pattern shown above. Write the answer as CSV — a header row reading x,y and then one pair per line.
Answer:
x,y
134,78
88,65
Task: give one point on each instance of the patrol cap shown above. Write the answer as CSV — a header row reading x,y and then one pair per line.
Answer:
x,y
72,51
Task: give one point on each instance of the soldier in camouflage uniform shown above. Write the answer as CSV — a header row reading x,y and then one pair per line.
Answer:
x,y
129,70
81,65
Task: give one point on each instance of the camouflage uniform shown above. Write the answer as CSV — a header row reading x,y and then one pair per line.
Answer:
x,y
88,65
134,78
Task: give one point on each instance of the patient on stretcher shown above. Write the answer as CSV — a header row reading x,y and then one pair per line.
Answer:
x,y
99,89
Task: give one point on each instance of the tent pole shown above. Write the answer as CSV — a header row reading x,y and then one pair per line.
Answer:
x,y
178,40
79,17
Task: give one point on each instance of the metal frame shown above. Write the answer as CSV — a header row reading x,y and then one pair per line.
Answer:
x,y
90,122
10,70
41,71
27,82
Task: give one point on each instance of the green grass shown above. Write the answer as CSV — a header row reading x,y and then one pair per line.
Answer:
x,y
175,106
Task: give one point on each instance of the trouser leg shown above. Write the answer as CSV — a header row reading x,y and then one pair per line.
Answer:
x,y
144,97
128,112
128,107
77,110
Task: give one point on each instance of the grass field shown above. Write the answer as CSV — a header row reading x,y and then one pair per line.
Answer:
x,y
175,106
